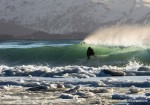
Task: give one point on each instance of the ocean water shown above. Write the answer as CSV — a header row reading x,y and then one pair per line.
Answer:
x,y
69,52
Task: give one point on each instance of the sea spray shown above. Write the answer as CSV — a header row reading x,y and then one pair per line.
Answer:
x,y
125,35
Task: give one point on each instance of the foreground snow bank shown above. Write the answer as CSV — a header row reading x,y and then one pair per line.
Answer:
x,y
94,90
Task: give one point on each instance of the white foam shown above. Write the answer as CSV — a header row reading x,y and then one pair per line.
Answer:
x,y
70,71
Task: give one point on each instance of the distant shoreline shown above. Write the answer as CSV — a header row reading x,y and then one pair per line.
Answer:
x,y
44,36
37,39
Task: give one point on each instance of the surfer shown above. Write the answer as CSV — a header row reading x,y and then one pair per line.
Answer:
x,y
90,52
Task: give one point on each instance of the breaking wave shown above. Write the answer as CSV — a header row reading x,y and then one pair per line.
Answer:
x,y
74,55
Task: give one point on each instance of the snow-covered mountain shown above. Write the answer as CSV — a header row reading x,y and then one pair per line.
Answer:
x,y
68,16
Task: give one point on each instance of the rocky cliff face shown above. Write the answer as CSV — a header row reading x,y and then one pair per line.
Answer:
x,y
68,16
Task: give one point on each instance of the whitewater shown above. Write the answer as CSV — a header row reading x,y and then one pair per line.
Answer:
x,y
58,72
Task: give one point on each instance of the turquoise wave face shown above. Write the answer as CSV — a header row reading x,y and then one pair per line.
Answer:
x,y
74,55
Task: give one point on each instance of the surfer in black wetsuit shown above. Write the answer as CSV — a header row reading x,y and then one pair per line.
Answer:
x,y
90,52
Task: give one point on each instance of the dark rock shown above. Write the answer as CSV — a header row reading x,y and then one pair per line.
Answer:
x,y
38,88
147,94
143,69
73,90
66,96
60,86
8,73
114,72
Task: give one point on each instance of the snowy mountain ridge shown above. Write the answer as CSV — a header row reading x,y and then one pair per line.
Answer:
x,y
67,16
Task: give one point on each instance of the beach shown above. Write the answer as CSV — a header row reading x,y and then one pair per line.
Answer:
x,y
92,91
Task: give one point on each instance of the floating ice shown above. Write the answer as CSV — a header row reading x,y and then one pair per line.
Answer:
x,y
134,90
66,96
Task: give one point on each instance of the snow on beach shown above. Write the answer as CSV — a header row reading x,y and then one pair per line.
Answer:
x,y
31,90
30,84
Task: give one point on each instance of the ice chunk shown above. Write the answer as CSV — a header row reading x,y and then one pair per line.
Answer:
x,y
66,96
